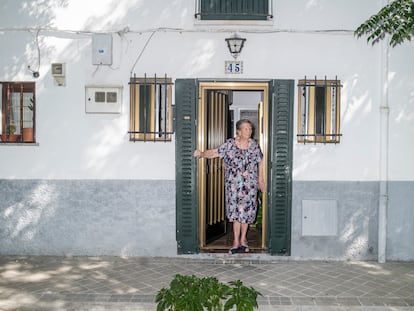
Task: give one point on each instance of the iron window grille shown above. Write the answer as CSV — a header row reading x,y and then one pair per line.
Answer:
x,y
18,112
319,111
233,9
150,109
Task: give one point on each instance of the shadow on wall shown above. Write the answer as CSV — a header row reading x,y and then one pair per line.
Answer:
x,y
24,212
357,221
54,18
359,218
28,17
43,36
86,217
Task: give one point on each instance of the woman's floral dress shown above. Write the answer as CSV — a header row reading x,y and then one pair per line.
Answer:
x,y
241,180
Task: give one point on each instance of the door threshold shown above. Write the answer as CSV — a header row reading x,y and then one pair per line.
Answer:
x,y
254,250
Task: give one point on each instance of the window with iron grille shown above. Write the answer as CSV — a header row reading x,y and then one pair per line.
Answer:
x,y
150,109
233,9
18,110
319,111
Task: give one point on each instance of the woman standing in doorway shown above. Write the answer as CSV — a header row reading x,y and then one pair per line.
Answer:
x,y
243,177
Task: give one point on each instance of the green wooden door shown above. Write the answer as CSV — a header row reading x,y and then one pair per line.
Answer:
x,y
281,94
186,166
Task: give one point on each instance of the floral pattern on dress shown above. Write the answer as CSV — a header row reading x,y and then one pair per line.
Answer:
x,y
241,179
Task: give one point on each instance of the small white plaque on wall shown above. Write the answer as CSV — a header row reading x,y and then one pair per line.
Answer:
x,y
103,99
319,218
233,67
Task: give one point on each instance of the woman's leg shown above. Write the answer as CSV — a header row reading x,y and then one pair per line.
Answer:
x,y
236,233
243,238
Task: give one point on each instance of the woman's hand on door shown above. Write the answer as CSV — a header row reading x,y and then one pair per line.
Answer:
x,y
209,154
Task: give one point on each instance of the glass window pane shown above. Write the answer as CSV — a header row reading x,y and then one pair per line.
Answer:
x,y
17,111
28,106
145,108
150,109
320,110
99,97
14,120
111,97
333,110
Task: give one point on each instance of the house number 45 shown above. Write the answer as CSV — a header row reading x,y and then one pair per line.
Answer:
x,y
233,67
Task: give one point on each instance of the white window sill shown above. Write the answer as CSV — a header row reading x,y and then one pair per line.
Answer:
x,y
18,144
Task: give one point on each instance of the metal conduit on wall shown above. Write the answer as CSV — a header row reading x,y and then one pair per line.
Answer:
x,y
384,147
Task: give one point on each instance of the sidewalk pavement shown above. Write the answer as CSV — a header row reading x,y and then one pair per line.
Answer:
x,y
116,283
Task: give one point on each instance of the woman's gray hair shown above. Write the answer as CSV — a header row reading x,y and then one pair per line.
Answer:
x,y
241,121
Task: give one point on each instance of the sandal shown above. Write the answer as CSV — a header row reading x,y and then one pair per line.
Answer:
x,y
234,250
244,248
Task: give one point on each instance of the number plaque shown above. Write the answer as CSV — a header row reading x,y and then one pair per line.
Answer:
x,y
233,67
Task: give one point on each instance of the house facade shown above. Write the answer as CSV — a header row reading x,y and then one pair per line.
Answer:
x,y
104,102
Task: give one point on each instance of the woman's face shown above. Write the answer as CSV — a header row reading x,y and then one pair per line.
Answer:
x,y
245,130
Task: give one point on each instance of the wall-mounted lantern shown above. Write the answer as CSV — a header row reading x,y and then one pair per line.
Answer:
x,y
235,45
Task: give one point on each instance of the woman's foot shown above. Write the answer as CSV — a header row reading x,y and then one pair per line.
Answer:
x,y
244,247
234,250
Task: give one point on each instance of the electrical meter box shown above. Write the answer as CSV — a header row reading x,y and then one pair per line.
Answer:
x,y
103,98
102,49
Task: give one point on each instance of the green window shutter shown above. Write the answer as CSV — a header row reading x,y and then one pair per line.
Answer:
x,y
234,9
280,168
186,179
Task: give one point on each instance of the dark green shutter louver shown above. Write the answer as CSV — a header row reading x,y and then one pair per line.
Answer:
x,y
186,179
234,9
280,170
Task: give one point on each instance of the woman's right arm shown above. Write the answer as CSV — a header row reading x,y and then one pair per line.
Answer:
x,y
209,154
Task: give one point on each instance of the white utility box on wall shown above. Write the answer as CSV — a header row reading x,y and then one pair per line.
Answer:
x,y
319,218
103,98
59,73
102,49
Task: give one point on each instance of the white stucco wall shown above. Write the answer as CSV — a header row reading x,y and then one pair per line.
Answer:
x,y
305,38
64,199
401,102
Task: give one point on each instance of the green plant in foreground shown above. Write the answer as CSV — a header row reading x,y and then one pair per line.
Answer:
x,y
243,297
190,293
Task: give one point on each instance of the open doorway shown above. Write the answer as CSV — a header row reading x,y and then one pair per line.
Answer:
x,y
276,140
221,105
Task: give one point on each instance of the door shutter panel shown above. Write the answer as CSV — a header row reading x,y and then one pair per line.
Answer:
x,y
186,182
281,93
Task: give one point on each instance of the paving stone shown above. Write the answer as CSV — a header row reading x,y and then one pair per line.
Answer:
x,y
113,283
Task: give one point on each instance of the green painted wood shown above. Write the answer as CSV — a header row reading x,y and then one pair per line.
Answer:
x,y
234,9
186,166
281,93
